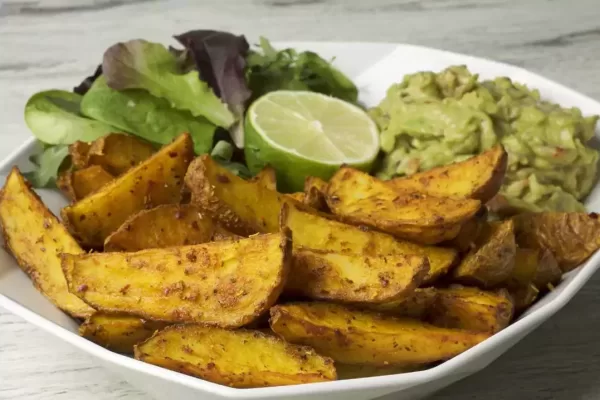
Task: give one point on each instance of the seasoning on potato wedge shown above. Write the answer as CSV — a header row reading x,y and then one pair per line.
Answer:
x,y
267,178
416,305
478,177
80,183
118,332
163,226
314,193
242,207
315,231
492,262
156,181
35,237
118,152
225,283
355,278
79,154
571,237
357,337
471,309
363,199
240,359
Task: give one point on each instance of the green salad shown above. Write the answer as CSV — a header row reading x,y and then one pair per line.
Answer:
x,y
203,86
432,119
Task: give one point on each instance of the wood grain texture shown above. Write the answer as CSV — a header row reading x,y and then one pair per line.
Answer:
x,y
55,43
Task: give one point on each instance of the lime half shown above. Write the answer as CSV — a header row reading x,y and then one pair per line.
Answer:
x,y
302,134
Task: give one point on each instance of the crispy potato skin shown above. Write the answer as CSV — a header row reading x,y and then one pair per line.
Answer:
x,y
355,278
314,193
267,178
241,358
81,183
416,305
571,237
118,332
240,206
79,154
118,152
35,237
162,226
492,262
225,283
319,232
535,266
471,309
523,297
355,337
156,181
363,199
478,177
470,231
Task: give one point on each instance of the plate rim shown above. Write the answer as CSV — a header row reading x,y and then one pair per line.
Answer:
x,y
530,321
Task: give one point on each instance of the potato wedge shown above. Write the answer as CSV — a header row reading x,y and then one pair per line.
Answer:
x,y
537,267
414,306
221,233
355,278
571,237
321,233
241,359
118,332
119,152
156,181
471,309
298,196
225,283
469,232
355,337
81,183
163,226
523,297
314,193
492,262
363,199
35,237
79,154
478,177
240,206
267,178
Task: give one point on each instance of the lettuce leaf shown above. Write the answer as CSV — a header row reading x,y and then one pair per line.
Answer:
x,y
54,117
146,116
269,69
138,64
220,58
47,164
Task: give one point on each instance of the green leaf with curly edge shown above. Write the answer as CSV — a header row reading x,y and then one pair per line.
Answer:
x,y
138,64
47,165
54,118
269,69
146,116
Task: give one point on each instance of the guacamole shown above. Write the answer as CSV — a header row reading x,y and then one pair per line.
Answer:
x,y
432,119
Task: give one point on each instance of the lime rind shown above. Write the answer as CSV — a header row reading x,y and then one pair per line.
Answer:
x,y
338,138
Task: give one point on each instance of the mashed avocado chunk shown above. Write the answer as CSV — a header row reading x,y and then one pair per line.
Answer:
x,y
432,119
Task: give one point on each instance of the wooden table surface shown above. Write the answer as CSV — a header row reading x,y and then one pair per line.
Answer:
x,y
53,44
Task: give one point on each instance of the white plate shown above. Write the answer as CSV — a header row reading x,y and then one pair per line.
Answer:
x,y
374,68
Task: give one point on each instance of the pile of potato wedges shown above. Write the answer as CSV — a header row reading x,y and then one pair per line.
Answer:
x,y
185,265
